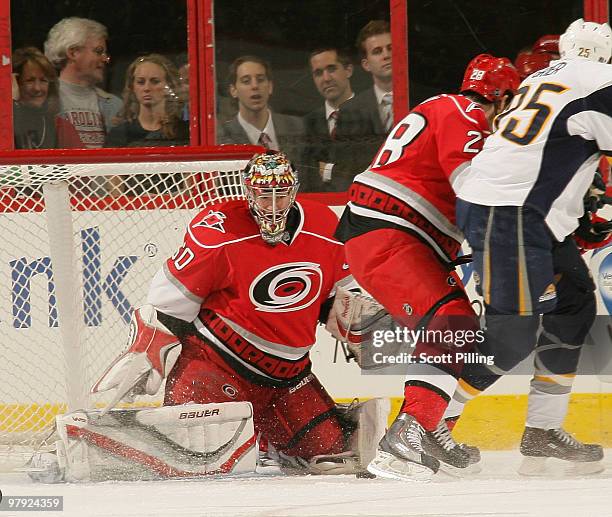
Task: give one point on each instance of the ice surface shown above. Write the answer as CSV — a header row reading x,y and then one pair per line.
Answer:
x,y
497,491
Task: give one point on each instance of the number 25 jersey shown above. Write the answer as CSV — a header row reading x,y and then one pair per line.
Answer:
x,y
548,144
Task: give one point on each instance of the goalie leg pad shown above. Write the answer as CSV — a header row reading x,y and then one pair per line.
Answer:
x,y
371,419
185,441
302,421
369,422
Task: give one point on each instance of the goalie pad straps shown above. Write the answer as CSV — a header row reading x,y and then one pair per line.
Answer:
x,y
190,440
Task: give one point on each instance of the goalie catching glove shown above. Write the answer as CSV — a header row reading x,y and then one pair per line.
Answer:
x,y
151,354
354,319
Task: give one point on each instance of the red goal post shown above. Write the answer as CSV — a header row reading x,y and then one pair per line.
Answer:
x,y
83,232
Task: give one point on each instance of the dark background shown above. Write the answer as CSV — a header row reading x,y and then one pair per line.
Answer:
x,y
443,36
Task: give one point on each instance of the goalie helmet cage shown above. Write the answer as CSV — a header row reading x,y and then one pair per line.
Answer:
x,y
83,233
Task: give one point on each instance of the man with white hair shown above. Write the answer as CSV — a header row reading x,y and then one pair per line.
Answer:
x,y
77,48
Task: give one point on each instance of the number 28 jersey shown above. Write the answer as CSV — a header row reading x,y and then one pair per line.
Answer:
x,y
548,144
408,186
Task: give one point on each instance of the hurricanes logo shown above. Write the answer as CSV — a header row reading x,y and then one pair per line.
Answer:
x,y
213,220
287,287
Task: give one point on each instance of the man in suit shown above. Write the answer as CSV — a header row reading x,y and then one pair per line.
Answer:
x,y
250,83
367,118
331,72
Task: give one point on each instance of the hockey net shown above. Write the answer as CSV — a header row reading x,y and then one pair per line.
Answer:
x,y
81,243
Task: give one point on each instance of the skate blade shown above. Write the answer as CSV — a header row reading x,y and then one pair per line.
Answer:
x,y
386,465
470,470
552,467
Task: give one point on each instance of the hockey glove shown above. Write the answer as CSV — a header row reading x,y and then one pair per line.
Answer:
x,y
354,319
593,232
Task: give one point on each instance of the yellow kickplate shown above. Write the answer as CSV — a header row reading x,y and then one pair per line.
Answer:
x,y
496,422
491,422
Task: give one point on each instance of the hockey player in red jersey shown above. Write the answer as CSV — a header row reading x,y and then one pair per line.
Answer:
x,y
402,245
242,297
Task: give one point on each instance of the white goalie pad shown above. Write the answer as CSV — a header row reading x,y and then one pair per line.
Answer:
x,y
187,441
372,417
370,420
354,319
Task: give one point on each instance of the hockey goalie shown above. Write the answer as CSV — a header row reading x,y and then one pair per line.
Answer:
x,y
229,323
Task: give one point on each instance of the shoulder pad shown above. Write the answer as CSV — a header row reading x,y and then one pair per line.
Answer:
x,y
319,218
469,109
222,224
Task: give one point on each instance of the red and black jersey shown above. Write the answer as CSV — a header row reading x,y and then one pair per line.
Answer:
x,y
408,185
256,303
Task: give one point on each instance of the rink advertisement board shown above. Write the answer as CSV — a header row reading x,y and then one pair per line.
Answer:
x,y
113,275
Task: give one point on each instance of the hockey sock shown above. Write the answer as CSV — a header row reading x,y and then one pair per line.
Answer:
x,y
425,405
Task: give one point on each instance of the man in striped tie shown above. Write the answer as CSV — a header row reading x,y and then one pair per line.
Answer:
x,y
251,85
331,72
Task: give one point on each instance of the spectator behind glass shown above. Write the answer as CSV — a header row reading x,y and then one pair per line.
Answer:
x,y
35,102
250,83
331,73
77,48
151,112
367,118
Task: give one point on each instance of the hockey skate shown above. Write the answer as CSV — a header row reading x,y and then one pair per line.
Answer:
x,y
400,453
457,459
44,467
538,445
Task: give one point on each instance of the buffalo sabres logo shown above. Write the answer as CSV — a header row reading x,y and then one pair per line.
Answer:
x,y
287,287
213,220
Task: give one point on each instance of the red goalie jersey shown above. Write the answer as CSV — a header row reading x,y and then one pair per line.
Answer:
x,y
408,186
254,303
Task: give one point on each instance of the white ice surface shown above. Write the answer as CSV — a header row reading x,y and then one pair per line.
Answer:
x,y
497,491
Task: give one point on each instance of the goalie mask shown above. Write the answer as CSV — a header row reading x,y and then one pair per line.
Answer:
x,y
270,184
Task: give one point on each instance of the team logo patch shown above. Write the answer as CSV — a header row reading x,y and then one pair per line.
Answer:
x,y
287,287
229,390
213,220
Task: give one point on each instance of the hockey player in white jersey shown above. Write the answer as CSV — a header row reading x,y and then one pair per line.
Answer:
x,y
518,204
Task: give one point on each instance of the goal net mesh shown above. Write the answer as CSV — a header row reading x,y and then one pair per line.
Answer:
x,y
81,243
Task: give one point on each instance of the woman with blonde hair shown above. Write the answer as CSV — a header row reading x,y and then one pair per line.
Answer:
x,y
151,112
